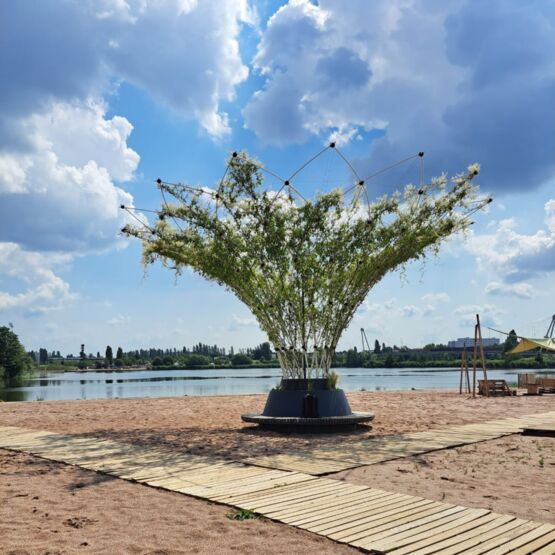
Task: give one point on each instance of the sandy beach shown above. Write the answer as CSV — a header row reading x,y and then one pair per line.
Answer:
x,y
55,508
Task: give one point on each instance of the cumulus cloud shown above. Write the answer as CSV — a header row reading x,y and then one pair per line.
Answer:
x,y
40,290
440,297
519,290
183,53
465,81
242,322
118,320
516,256
64,197
490,315
410,310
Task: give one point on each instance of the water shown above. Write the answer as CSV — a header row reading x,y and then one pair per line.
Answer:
x,y
174,383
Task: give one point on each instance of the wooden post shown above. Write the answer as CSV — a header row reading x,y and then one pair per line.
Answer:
x,y
474,360
464,372
482,354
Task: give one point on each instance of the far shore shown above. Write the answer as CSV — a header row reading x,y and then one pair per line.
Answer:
x,y
448,367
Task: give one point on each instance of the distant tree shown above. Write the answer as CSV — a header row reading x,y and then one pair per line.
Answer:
x,y
157,361
383,346
118,363
97,354
222,361
198,360
241,359
109,356
510,342
82,364
119,354
82,353
14,361
262,351
43,356
377,348
353,358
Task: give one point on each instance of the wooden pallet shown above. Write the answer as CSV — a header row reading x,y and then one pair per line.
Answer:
x,y
375,520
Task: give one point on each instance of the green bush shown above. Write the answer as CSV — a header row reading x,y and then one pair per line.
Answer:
x,y
241,360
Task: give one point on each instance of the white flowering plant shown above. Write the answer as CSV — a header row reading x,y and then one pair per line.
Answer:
x,y
302,267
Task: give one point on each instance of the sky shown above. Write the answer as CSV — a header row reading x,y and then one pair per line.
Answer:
x,y
99,98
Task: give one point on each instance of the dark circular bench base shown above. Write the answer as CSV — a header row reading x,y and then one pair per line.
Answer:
x,y
297,424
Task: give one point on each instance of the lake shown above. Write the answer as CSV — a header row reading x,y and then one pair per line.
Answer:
x,y
55,386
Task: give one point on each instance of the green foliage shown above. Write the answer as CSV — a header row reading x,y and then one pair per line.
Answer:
x,y
197,361
109,356
262,351
242,514
303,268
119,354
43,356
14,361
332,379
241,360
511,342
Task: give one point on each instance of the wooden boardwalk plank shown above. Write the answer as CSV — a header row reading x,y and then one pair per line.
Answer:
x,y
408,543
470,539
484,531
523,540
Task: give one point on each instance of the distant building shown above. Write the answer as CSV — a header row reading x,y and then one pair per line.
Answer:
x,y
469,342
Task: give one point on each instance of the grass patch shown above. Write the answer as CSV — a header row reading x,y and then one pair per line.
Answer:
x,y
243,514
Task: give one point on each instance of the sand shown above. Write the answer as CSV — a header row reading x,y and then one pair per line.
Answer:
x,y
78,511
513,475
213,426
54,508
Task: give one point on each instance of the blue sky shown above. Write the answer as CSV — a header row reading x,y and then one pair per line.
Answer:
x,y
99,98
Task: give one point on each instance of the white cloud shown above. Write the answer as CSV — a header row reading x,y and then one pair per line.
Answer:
x,y
184,53
440,297
490,315
410,310
65,198
242,322
407,68
520,290
118,320
40,290
515,256
390,302
429,310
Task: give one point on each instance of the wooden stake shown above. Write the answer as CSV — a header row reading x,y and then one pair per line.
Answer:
x,y
464,371
478,342
474,360
482,354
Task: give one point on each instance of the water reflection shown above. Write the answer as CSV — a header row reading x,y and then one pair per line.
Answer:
x,y
173,383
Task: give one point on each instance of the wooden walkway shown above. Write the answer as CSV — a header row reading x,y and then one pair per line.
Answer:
x,y
374,520
385,448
